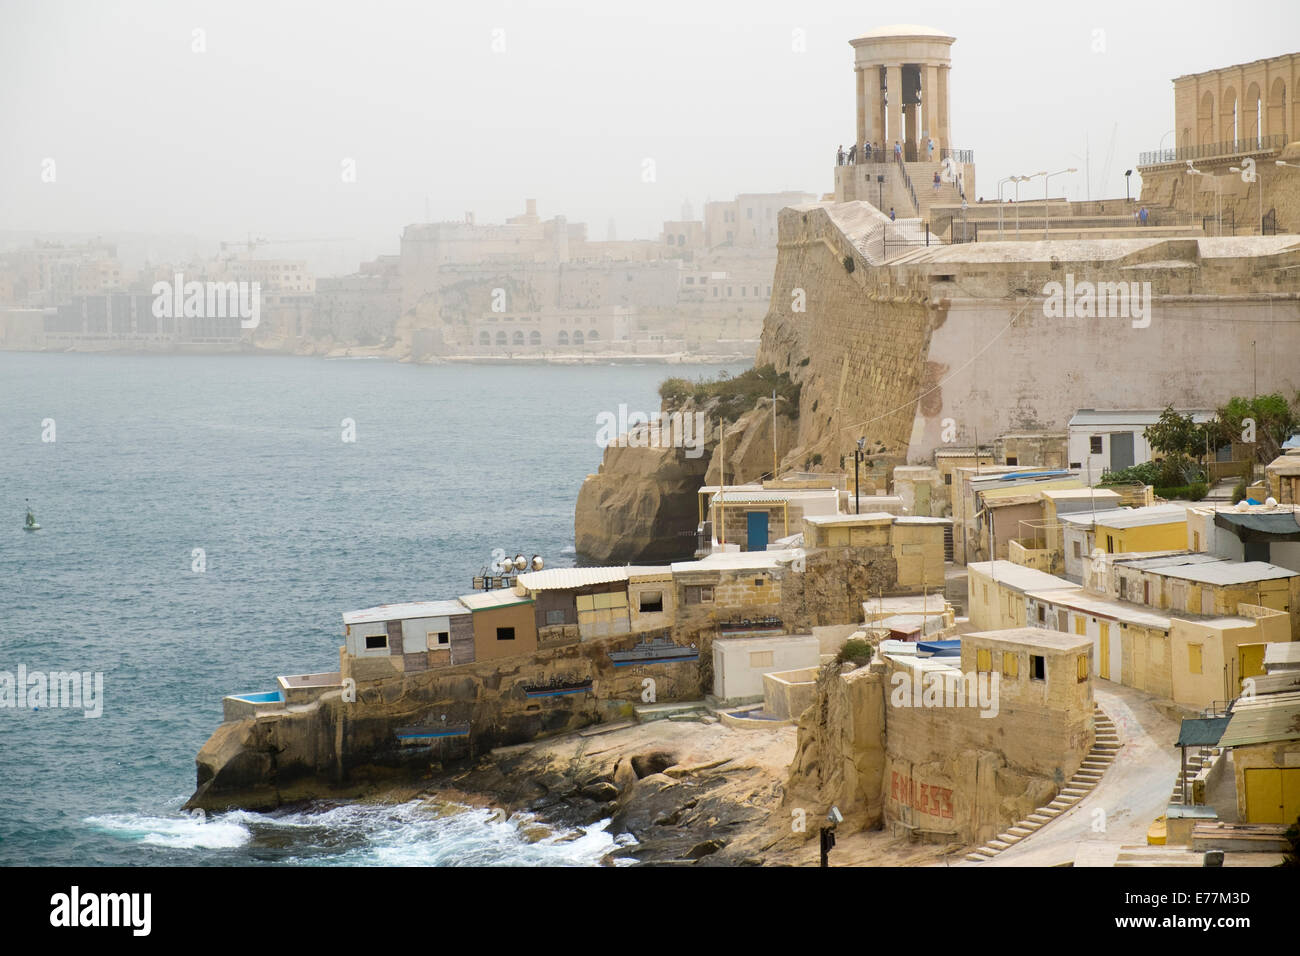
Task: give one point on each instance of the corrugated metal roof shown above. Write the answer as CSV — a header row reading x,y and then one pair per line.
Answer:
x,y
872,517
1228,572
1279,654
1130,416
560,579
1201,731
1260,720
1019,577
1102,607
402,612
502,597
738,560
1121,518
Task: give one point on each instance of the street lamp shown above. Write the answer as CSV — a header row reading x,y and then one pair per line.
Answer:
x,y
1046,180
1260,183
1218,211
1007,179
1127,174
1019,180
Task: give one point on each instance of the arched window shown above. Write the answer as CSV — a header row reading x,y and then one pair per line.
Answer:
x,y
563,338
1205,120
593,336
518,338
501,338
577,337
534,337
485,338
1276,120
1228,117
1251,110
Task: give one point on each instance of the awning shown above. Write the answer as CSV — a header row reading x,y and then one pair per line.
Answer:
x,y
1260,526
1202,731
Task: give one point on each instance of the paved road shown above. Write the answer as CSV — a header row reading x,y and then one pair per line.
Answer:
x,y
1133,792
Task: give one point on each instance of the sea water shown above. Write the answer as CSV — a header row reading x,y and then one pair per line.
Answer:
x,y
205,522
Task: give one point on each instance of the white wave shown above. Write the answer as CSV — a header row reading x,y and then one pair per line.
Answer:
x,y
182,832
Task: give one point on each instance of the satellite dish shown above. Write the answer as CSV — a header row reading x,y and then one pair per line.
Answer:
x,y
1243,505
538,563
1270,502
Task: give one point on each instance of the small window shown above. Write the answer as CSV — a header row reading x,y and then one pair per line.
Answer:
x,y
1037,667
759,582
1094,445
376,642
1081,667
699,594
760,658
706,595
554,617
1012,460
437,639
1123,589
505,633
947,479
1010,664
651,602
983,659
1078,552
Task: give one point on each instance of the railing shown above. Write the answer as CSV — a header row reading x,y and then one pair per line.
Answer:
x,y
897,241
1232,223
907,181
969,232
1205,150
1268,225
957,155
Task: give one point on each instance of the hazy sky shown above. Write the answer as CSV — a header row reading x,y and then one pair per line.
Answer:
x,y
251,135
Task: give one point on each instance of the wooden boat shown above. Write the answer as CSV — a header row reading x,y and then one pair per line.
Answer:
x,y
558,686
658,650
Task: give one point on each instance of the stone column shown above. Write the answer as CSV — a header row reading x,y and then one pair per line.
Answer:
x,y
930,108
894,80
859,78
943,138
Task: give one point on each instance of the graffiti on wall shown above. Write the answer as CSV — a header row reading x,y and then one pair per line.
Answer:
x,y
923,797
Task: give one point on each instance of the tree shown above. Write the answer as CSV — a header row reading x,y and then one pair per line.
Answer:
x,y
1174,435
1270,418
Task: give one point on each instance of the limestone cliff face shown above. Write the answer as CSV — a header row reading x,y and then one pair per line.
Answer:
x,y
840,759
339,748
642,505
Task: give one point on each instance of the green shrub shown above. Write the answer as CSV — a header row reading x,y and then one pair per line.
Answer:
x,y
735,395
855,650
1239,491
1193,492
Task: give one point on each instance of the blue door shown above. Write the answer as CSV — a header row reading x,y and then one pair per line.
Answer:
x,y
756,536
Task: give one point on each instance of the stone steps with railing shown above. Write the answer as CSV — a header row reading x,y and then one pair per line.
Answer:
x,y
1105,745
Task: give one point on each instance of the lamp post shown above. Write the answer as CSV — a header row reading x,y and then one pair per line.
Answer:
x,y
857,493
1260,183
1046,180
1019,180
1218,211
1127,174
1006,179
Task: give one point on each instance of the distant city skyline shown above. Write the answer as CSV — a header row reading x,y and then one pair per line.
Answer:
x,y
346,121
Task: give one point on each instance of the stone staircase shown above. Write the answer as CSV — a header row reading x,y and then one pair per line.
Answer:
x,y
1196,762
922,175
1105,745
